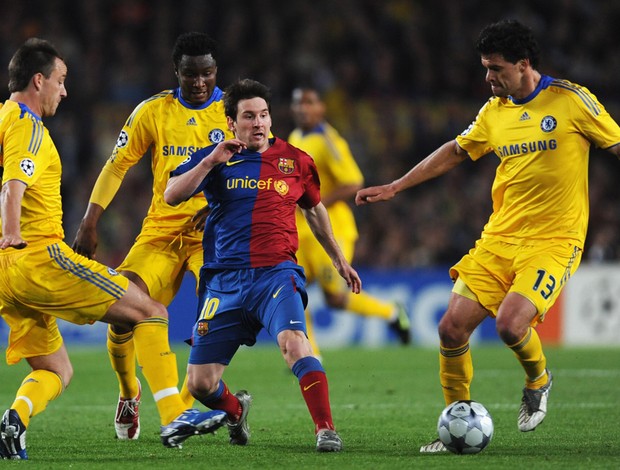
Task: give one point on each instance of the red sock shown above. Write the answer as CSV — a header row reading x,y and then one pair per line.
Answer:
x,y
226,401
315,391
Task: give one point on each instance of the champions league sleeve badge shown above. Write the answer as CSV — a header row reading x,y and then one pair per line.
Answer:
x,y
27,166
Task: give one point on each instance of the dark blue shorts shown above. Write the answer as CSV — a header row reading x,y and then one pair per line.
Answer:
x,y
234,305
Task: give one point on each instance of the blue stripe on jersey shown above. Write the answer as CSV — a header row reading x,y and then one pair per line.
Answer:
x,y
37,136
83,272
587,99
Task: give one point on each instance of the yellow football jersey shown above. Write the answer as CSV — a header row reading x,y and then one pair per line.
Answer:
x,y
540,191
336,167
172,130
28,154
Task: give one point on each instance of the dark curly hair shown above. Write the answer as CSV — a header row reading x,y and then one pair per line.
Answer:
x,y
244,89
511,39
193,44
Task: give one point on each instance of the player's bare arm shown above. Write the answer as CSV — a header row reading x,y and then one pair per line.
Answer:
x,y
11,209
436,164
200,218
181,187
615,149
85,242
318,221
341,193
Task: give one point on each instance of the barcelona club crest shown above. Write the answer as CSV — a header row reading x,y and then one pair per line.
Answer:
x,y
286,165
202,327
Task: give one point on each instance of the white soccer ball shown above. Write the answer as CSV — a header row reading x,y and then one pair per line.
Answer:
x,y
465,427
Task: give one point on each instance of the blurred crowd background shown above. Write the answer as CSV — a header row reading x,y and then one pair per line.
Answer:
x,y
400,77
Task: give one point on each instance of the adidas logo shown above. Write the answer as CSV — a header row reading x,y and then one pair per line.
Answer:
x,y
524,117
192,122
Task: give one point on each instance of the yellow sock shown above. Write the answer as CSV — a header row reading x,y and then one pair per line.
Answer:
x,y
530,354
122,356
456,371
368,306
187,397
310,330
159,366
36,391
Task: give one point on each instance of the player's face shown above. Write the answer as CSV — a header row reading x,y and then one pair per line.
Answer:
x,y
505,78
253,124
308,109
53,89
196,75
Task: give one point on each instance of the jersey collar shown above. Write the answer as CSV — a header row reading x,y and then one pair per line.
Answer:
x,y
544,82
215,96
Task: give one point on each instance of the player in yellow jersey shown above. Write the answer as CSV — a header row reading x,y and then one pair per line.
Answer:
x,y
35,262
541,129
340,180
172,125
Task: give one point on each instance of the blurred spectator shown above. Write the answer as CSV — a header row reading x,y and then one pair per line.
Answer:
x,y
399,78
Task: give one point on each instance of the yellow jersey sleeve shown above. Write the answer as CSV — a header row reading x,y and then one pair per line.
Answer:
x,y
30,156
540,191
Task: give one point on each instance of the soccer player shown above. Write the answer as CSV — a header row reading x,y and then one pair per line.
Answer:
x,y
341,178
42,278
541,129
250,279
171,124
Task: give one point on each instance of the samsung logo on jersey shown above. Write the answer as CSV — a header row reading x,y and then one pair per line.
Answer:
x,y
527,147
178,150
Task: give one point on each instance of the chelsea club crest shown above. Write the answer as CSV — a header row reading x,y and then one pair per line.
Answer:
x,y
216,136
548,123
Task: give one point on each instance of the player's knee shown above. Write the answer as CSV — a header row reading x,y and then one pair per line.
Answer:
x,y
509,329
155,309
294,345
201,386
450,334
66,374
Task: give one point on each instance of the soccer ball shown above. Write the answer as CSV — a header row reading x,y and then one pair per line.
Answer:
x,y
465,427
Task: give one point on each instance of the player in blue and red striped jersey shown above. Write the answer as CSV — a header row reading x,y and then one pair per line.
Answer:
x,y
250,278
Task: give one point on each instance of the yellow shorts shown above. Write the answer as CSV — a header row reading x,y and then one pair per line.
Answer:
x,y
318,265
161,260
494,268
43,282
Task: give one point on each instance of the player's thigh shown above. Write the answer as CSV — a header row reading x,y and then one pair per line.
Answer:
x,y
160,262
54,282
135,306
486,276
278,299
57,362
31,334
58,282
542,271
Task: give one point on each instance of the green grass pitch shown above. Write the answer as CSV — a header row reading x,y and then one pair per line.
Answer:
x,y
385,404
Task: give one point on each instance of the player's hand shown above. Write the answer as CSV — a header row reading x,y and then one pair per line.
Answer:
x,y
375,194
226,149
350,275
200,218
12,241
85,242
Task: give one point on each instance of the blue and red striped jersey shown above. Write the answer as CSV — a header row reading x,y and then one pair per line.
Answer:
x,y
253,199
